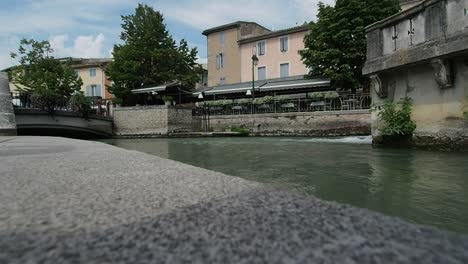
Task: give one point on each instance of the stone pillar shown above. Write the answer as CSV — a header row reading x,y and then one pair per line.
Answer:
x,y
7,114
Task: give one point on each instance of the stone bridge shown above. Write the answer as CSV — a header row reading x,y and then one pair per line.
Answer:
x,y
61,123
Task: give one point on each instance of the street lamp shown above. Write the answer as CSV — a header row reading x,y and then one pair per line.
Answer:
x,y
254,63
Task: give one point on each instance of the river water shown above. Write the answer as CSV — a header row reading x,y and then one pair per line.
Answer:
x,y
420,186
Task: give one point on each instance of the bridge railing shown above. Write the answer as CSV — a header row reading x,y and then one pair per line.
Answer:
x,y
99,106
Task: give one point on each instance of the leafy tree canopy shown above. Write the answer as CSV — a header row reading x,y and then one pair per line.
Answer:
x,y
335,47
149,55
39,72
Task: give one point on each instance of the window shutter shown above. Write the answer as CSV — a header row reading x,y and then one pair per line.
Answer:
x,y
88,91
98,90
284,70
261,73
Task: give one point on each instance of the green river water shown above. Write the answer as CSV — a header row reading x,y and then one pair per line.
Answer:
x,y
420,186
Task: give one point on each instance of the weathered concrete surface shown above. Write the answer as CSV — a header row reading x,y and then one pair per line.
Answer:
x,y
64,201
7,117
340,123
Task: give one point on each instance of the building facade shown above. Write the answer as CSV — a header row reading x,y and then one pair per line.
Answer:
x,y
277,52
224,56
422,53
278,70
92,72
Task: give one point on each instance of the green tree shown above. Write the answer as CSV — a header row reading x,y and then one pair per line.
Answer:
x,y
335,47
39,72
149,55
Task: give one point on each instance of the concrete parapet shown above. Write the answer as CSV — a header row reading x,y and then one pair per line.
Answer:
x,y
7,115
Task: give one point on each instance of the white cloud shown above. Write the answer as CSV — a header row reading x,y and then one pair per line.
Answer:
x,y
202,60
272,14
83,46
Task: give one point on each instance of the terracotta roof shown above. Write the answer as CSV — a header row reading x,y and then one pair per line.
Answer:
x,y
229,26
276,33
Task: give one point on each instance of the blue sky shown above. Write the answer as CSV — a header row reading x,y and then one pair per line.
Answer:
x,y
90,28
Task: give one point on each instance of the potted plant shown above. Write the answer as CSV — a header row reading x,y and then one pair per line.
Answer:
x,y
331,95
167,99
316,95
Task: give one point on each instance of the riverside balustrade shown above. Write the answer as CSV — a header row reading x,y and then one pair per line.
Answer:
x,y
347,102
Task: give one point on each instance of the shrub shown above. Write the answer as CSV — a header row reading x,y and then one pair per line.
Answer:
x,y
316,95
244,132
263,100
167,98
217,103
117,101
244,101
80,103
397,122
331,95
47,100
281,98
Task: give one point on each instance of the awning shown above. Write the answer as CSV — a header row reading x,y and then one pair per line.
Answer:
x,y
296,84
232,88
291,83
159,88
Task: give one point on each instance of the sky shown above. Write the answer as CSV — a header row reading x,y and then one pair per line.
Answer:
x,y
90,28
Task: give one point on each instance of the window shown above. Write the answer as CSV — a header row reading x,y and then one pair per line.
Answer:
x,y
222,38
93,90
222,80
219,61
92,72
261,73
284,70
261,48
284,44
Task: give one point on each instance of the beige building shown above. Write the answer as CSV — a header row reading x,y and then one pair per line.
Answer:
x,y
277,52
92,72
224,55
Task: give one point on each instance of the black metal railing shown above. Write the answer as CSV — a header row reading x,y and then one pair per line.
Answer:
x,y
99,106
245,107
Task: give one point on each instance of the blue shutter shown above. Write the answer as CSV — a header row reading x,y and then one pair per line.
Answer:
x,y
261,73
89,92
98,91
284,70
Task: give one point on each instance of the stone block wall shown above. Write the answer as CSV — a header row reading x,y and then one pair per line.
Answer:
x,y
298,124
7,116
151,120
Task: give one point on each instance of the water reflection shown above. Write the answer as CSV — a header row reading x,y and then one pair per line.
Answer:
x,y
422,187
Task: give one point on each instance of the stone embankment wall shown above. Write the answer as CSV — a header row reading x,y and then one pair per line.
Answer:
x,y
151,120
298,124
7,116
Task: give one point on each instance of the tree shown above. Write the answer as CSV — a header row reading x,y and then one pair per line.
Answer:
x,y
39,72
335,47
149,55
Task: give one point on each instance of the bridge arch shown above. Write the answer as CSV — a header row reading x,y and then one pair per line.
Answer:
x,y
61,123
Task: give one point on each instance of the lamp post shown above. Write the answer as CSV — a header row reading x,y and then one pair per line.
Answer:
x,y
254,63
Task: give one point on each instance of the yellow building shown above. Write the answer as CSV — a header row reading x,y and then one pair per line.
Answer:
x,y
92,72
